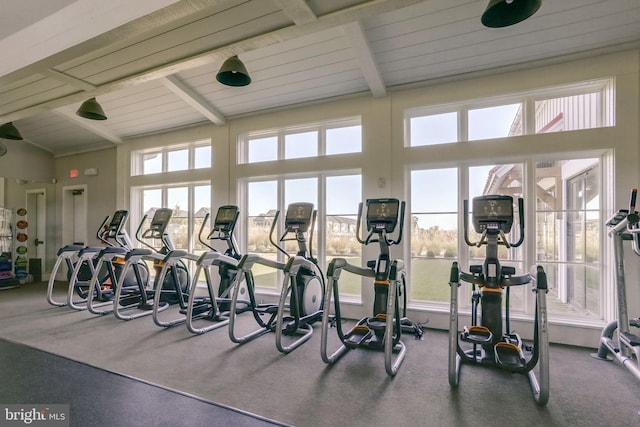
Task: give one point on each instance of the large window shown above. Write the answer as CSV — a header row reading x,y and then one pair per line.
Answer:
x,y
567,230
334,234
562,200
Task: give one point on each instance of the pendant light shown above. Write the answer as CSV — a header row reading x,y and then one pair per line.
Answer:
x,y
90,109
9,131
233,73
502,13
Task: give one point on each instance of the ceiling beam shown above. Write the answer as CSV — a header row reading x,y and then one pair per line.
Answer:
x,y
364,56
70,80
332,20
93,126
192,98
298,10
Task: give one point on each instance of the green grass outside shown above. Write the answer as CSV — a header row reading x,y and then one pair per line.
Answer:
x,y
430,279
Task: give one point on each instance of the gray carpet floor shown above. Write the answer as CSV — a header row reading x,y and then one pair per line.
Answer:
x,y
94,397
299,389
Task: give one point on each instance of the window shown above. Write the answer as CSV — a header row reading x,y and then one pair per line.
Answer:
x,y
582,106
190,203
434,231
343,140
568,113
177,160
262,203
303,144
196,155
494,122
313,140
334,234
262,149
151,163
568,233
433,129
343,193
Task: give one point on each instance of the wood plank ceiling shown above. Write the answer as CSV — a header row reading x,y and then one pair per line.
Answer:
x,y
157,72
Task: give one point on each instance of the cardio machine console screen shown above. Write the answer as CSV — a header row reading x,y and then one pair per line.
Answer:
x,y
226,216
160,220
118,219
382,214
494,212
299,216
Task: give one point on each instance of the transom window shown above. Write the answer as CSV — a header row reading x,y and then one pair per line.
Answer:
x,y
195,155
580,106
313,140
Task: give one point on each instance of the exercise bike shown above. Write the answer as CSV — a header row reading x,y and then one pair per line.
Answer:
x,y
484,342
141,297
213,309
300,302
625,346
80,262
383,330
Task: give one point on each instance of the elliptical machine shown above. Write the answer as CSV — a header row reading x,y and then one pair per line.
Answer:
x,y
139,299
625,346
81,263
485,343
384,329
300,304
214,307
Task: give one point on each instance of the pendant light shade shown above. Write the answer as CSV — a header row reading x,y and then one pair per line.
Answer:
x,y
233,73
90,109
502,13
9,131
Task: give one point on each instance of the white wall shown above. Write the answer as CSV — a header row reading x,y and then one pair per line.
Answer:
x,y
26,162
101,189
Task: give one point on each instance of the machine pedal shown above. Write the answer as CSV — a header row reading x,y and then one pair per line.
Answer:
x,y
476,334
630,339
509,356
129,300
357,336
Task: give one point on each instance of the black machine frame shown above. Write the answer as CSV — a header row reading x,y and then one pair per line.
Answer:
x,y
82,263
485,341
210,312
383,330
300,303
